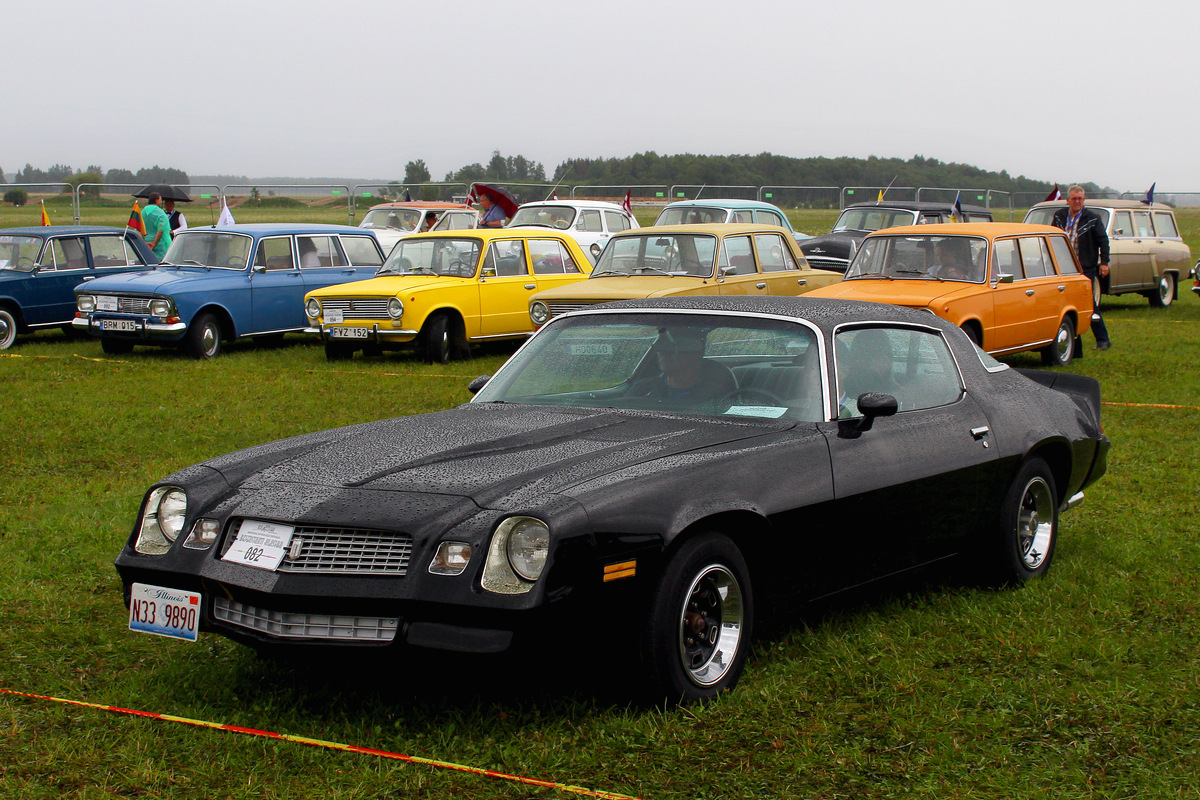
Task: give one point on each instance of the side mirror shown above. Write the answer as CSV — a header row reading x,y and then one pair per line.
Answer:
x,y
259,268
474,386
728,271
1004,277
872,405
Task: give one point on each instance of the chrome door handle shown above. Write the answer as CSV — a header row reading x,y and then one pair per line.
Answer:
x,y
802,281
980,432
1062,288
1029,292
760,286
531,286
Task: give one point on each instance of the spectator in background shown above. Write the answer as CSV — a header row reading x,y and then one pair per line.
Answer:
x,y
178,221
431,219
158,227
493,214
1085,230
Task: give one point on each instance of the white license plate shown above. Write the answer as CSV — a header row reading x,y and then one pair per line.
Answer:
x,y
260,544
106,302
349,333
118,325
164,612
334,316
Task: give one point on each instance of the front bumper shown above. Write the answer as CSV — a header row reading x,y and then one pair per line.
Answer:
x,y
138,327
375,333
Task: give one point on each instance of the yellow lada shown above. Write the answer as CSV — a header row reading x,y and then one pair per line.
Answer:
x,y
442,290
1009,286
672,260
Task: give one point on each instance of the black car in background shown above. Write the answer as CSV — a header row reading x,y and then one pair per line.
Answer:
x,y
835,250
41,266
646,473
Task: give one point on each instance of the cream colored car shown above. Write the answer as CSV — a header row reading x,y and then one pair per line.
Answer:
x,y
1146,253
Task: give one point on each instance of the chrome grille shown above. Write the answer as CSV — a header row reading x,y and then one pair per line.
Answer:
x,y
821,262
344,551
289,625
132,305
357,307
563,308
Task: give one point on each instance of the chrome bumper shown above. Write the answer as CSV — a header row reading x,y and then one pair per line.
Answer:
x,y
93,326
376,333
1071,502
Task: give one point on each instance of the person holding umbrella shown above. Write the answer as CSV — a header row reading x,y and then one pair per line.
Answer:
x,y
498,205
178,221
158,226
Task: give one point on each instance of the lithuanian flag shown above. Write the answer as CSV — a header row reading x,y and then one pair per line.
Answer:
x,y
45,216
135,219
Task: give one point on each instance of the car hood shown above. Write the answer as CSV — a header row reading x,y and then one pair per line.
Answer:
x,y
161,280
497,455
912,293
835,245
390,286
632,287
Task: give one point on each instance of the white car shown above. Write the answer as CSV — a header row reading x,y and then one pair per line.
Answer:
x,y
391,222
590,222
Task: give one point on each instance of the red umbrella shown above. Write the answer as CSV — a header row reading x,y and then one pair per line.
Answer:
x,y
499,196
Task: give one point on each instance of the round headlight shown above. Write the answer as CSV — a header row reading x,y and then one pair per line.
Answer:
x,y
596,249
172,508
85,303
528,546
160,308
539,312
395,308
312,308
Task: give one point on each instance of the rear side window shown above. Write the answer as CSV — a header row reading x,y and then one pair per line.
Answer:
x,y
589,221
769,218
1141,224
1063,255
1035,257
112,251
616,222
1164,224
319,251
274,253
1123,224
736,254
773,253
69,254
361,251
1007,260
551,258
914,366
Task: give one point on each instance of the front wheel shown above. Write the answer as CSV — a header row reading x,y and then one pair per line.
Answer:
x,y
203,339
1060,352
697,637
1023,541
1164,293
437,341
338,351
8,329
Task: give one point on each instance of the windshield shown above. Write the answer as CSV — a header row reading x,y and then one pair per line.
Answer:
x,y
682,362
419,256
561,217
209,249
1045,214
874,219
397,219
678,254
942,258
19,252
691,215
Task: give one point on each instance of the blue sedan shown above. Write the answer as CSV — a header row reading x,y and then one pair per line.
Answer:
x,y
39,268
224,283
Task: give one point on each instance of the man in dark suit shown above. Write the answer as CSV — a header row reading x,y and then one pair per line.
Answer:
x,y
1086,232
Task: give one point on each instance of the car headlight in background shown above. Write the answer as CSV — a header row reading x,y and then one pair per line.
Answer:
x,y
312,308
162,520
85,303
395,308
160,308
539,312
516,556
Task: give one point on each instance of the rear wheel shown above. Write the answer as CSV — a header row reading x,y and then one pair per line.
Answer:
x,y
1022,543
115,347
1164,293
203,338
697,636
8,329
1060,352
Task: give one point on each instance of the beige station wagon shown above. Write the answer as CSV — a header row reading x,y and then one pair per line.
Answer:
x,y
1146,253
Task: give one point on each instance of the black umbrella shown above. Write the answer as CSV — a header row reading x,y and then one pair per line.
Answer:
x,y
167,191
500,196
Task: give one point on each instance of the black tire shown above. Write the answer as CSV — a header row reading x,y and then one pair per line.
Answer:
x,y
1060,352
437,340
339,351
1022,543
8,329
115,347
699,621
1164,294
203,339
973,335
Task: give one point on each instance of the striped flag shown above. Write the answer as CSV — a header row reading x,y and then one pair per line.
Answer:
x,y
135,219
45,216
628,204
1054,195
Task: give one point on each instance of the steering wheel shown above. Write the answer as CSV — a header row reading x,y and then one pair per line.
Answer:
x,y
460,268
752,396
235,261
25,261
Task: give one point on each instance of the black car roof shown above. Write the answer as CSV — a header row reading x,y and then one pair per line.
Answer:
x,y
912,205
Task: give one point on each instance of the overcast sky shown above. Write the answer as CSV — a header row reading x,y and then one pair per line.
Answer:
x,y
1097,91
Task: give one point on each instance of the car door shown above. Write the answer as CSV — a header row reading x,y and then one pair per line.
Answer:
x,y
64,265
1138,271
1168,250
909,488
505,286
1014,305
553,264
1043,284
276,287
779,271
323,262
738,269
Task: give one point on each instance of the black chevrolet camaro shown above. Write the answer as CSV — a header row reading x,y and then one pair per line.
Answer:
x,y
679,459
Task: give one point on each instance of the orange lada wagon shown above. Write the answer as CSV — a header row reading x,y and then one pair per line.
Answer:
x,y
1010,286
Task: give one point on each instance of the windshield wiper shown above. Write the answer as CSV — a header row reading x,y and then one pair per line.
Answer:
x,y
610,272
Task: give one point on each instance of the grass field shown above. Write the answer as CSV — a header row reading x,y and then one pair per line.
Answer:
x,y
1082,685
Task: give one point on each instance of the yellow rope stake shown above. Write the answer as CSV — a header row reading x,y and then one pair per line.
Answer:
x,y
348,748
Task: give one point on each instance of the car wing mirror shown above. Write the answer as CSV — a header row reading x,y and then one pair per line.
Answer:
x,y
728,271
474,386
872,405
259,268
1004,277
